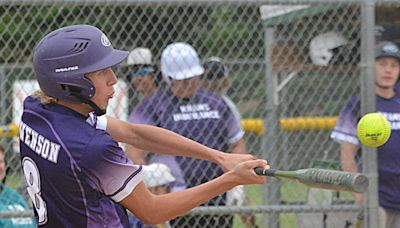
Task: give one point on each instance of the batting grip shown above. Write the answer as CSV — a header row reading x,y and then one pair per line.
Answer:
x,y
264,172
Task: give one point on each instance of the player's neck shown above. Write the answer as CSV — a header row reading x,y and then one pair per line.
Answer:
x,y
81,108
151,91
385,92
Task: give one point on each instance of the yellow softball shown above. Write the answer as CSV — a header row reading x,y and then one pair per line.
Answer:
x,y
373,129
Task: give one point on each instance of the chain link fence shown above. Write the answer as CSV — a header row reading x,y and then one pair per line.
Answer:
x,y
293,66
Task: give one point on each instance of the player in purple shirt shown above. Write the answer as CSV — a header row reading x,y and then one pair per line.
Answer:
x,y
77,175
193,112
215,79
143,75
387,67
146,79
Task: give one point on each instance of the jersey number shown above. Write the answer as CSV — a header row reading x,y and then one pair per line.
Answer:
x,y
32,177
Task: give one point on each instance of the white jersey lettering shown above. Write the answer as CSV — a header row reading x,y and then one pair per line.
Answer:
x,y
196,115
41,145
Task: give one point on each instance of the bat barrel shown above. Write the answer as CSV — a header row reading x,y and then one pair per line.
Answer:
x,y
321,178
335,180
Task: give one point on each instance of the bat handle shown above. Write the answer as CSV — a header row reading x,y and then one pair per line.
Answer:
x,y
264,172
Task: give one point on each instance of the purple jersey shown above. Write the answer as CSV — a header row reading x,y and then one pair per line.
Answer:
x,y
388,154
204,118
75,174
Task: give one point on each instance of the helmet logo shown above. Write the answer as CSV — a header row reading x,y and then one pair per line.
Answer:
x,y
105,41
390,48
66,69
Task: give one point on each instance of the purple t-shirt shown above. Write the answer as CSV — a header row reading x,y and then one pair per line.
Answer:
x,y
204,118
75,174
388,154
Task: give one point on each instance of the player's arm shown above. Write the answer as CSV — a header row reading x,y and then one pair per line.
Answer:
x,y
347,156
155,209
239,147
347,160
136,155
155,139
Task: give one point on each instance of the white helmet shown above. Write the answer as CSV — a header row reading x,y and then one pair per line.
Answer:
x,y
157,174
322,45
140,56
180,61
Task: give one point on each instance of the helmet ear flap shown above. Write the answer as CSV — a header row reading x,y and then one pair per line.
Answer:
x,y
84,89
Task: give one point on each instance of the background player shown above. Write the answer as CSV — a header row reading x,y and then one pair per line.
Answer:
x,y
215,79
387,69
146,79
195,113
77,175
143,74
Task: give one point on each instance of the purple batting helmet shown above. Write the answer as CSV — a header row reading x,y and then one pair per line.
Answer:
x,y
64,56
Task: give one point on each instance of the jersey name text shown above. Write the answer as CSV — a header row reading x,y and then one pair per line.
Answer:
x,y
44,147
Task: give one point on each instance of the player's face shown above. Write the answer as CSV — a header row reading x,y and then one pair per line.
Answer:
x,y
185,88
387,72
142,84
103,81
2,166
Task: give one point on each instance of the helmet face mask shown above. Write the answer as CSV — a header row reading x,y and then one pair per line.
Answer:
x,y
63,58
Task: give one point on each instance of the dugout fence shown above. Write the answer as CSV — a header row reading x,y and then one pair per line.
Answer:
x,y
275,79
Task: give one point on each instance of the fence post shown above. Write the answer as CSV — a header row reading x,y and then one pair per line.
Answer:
x,y
368,104
272,188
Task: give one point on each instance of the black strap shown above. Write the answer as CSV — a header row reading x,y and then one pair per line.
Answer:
x,y
98,111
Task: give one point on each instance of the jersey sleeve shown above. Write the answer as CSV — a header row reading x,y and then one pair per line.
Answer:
x,y
109,170
345,129
233,118
98,122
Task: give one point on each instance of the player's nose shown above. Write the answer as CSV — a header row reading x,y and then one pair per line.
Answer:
x,y
112,78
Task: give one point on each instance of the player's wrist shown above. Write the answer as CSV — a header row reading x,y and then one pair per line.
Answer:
x,y
218,157
231,179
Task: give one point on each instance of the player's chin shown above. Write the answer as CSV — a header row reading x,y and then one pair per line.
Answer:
x,y
104,105
386,85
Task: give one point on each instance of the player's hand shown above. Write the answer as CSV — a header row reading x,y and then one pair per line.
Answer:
x,y
230,161
244,172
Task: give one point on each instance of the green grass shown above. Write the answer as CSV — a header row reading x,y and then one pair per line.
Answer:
x,y
290,192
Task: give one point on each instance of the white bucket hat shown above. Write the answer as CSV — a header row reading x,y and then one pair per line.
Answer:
x,y
180,61
157,174
140,55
